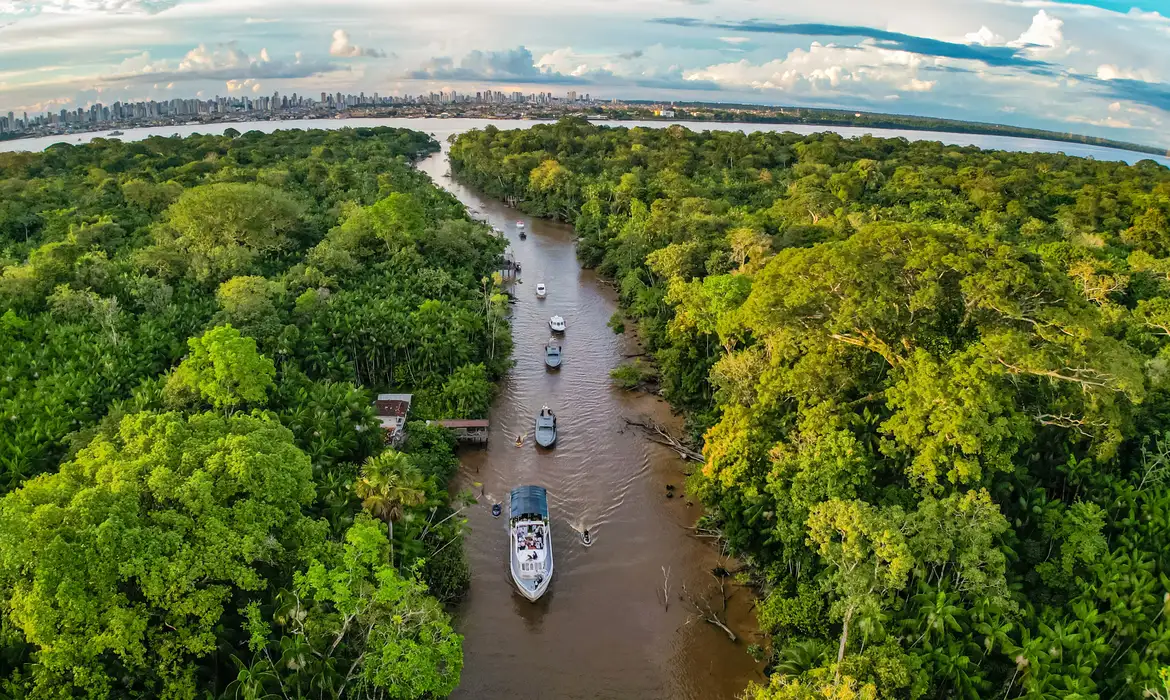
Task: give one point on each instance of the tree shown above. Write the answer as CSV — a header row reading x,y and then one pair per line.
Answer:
x,y
223,369
226,226
388,485
119,567
394,638
467,393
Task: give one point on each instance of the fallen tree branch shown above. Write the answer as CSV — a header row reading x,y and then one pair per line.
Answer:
x,y
702,608
662,436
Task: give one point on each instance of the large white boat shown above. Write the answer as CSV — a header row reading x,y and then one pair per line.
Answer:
x,y
557,324
530,540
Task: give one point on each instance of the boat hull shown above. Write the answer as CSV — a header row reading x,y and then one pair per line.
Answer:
x,y
528,507
552,362
546,437
558,331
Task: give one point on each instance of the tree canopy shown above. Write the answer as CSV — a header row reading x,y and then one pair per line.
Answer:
x,y
929,381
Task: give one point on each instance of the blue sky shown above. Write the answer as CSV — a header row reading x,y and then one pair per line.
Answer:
x,y
1089,66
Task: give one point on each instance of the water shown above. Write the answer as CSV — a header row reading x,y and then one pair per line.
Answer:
x,y
602,630
443,128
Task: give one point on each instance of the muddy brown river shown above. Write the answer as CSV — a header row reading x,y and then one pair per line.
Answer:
x,y
602,630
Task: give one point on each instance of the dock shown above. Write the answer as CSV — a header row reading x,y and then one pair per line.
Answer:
x,y
466,430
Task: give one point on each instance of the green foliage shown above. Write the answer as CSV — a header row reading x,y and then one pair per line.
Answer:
x,y
468,393
633,374
224,369
300,272
118,567
932,380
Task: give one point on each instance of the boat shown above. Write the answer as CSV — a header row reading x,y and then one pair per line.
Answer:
x,y
520,225
541,290
586,539
116,133
530,540
523,236
546,427
496,510
552,353
557,324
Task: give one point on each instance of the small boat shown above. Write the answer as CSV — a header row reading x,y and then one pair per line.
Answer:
x,y
523,236
586,539
546,427
115,133
520,225
496,510
557,324
530,540
552,353
541,290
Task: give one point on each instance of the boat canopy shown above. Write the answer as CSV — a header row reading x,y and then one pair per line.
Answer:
x,y
529,500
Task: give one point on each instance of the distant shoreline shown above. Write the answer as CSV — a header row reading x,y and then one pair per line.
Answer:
x,y
689,113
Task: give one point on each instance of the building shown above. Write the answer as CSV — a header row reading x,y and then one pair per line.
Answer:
x,y
391,410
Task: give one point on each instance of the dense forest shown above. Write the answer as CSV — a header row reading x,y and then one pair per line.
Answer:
x,y
197,497
932,384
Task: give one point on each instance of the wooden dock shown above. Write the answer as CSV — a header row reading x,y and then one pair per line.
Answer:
x,y
466,430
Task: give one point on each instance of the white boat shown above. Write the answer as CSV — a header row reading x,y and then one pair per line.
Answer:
x,y
520,225
546,427
541,291
552,353
557,324
530,540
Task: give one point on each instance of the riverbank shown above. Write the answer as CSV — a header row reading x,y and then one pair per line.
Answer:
x,y
442,128
603,630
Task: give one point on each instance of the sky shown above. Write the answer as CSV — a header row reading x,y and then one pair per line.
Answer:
x,y
1099,67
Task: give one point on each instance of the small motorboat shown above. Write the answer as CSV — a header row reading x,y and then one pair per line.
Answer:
x,y
546,427
523,236
586,539
541,290
530,541
496,510
520,225
557,324
552,353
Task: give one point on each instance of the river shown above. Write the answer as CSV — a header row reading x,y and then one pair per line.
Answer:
x,y
442,128
602,630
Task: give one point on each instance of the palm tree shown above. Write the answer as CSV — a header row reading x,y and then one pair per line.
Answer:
x,y
389,483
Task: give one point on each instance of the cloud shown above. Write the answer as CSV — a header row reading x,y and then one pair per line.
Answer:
x,y
218,62
984,37
344,48
1108,71
121,7
243,85
999,56
513,65
734,39
1045,31
824,69
260,20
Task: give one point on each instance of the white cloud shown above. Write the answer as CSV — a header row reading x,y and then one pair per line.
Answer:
x,y
216,62
820,68
260,20
1046,31
1115,107
735,39
916,85
1108,71
984,37
344,48
243,85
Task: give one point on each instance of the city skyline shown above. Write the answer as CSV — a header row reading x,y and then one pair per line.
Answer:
x,y
1098,67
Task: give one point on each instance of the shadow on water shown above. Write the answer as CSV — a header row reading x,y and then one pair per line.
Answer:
x,y
602,630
